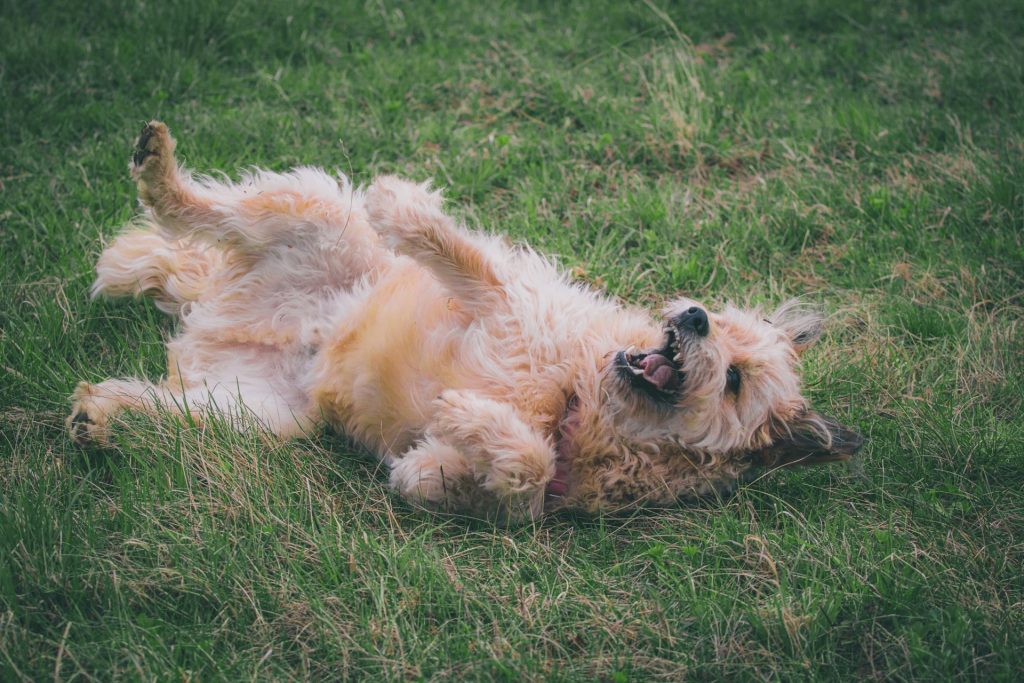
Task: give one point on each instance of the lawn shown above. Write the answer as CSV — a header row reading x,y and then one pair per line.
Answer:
x,y
867,157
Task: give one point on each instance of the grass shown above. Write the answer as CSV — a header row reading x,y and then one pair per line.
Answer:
x,y
867,157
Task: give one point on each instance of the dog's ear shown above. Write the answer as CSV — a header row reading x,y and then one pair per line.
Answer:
x,y
803,324
811,439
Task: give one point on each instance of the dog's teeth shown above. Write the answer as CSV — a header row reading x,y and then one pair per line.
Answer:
x,y
636,371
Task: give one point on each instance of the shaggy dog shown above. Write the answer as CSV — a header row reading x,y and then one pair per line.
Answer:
x,y
485,380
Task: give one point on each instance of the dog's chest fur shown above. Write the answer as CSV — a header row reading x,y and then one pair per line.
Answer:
x,y
406,340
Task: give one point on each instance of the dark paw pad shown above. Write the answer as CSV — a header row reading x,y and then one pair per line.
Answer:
x,y
80,423
141,153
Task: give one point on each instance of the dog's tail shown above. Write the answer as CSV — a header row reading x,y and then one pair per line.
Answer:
x,y
141,261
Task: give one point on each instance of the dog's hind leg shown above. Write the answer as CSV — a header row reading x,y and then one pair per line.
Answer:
x,y
240,384
410,218
262,210
142,261
95,407
176,202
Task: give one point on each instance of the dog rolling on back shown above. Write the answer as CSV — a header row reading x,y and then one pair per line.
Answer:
x,y
485,379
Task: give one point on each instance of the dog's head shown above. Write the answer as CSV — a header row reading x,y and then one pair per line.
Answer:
x,y
718,394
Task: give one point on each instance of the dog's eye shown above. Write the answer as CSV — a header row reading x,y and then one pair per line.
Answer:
x,y
732,379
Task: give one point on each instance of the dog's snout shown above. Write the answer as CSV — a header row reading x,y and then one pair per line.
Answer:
x,y
695,319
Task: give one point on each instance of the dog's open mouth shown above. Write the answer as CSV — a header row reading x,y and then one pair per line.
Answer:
x,y
656,373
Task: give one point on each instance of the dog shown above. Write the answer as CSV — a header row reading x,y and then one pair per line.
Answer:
x,y
486,380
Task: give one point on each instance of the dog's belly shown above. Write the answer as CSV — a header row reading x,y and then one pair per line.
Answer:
x,y
379,371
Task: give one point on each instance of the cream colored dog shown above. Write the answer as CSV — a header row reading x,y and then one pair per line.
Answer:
x,y
485,379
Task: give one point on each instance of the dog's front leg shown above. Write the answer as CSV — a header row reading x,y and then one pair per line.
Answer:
x,y
478,456
509,458
432,473
437,475
409,218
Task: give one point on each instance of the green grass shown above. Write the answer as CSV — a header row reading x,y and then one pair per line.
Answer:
x,y
870,158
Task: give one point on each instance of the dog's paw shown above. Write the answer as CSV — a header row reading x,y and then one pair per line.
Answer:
x,y
399,209
89,421
153,153
459,414
509,458
431,474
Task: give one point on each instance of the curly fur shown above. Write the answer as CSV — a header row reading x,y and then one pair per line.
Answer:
x,y
479,373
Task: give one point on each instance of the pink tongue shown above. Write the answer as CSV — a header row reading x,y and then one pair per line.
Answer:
x,y
659,371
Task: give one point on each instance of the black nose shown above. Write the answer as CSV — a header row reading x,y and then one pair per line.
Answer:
x,y
693,318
